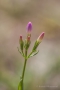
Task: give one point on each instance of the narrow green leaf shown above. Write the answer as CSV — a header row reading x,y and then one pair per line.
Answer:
x,y
33,54
20,85
20,52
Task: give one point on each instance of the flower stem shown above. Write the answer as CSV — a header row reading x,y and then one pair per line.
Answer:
x,y
24,69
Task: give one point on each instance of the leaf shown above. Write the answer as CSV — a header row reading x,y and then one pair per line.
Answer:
x,y
20,52
20,85
33,54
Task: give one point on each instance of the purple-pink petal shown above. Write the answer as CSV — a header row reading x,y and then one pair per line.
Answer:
x,y
29,26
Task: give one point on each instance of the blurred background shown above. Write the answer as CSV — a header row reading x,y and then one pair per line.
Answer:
x,y
43,70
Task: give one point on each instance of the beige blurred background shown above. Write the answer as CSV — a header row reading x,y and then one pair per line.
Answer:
x,y
43,70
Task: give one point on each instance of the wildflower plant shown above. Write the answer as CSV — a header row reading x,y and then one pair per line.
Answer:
x,y
23,50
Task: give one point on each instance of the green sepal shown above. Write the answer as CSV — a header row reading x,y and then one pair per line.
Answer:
x,y
27,44
35,46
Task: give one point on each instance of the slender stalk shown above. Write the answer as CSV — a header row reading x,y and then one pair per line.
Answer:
x,y
24,69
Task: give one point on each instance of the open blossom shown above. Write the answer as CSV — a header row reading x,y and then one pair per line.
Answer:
x,y
29,27
41,36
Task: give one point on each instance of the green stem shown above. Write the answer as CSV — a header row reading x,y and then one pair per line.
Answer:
x,y
24,69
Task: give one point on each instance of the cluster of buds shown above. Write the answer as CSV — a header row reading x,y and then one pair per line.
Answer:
x,y
25,44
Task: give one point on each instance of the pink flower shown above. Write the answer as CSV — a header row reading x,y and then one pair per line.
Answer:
x,y
29,27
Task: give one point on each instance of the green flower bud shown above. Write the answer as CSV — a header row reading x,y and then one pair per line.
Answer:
x,y
27,42
38,41
21,43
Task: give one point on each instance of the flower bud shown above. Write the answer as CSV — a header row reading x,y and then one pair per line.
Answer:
x,y
38,41
21,43
27,42
20,37
29,27
41,37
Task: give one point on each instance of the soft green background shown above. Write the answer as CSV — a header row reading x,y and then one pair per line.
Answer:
x,y
43,70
